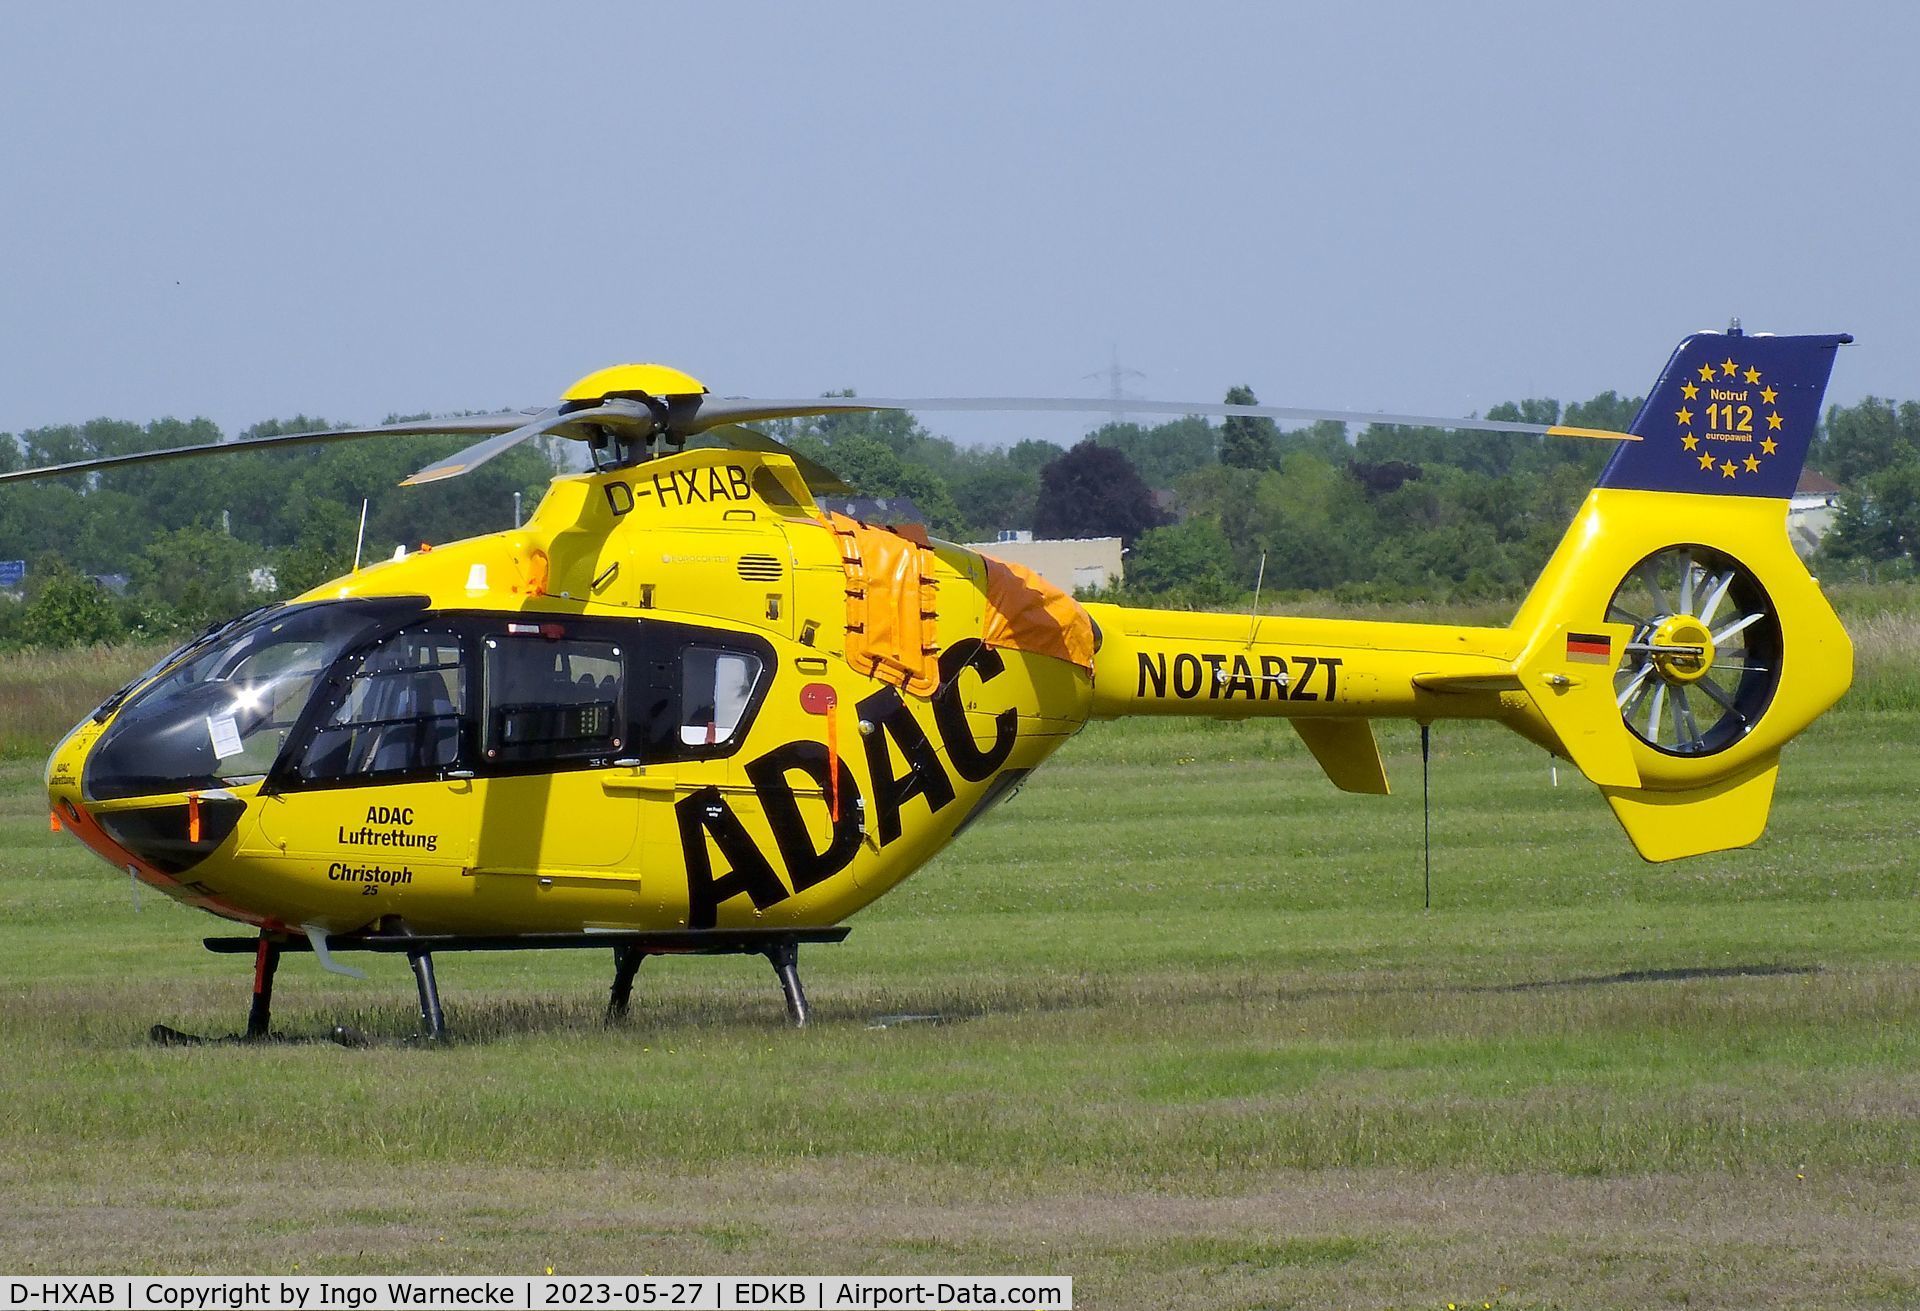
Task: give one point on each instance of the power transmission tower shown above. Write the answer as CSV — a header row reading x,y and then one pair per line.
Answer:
x,y
1115,376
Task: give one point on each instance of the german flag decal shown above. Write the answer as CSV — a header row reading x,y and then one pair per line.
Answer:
x,y
1589,648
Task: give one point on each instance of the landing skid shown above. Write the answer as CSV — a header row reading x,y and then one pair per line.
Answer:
x,y
781,947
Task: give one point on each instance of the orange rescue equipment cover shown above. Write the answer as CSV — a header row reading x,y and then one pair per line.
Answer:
x,y
892,610
1028,613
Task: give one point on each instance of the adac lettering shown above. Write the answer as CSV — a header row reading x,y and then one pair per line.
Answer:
x,y
1210,676
708,824
395,829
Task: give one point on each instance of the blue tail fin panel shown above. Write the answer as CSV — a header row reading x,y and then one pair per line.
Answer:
x,y
1731,415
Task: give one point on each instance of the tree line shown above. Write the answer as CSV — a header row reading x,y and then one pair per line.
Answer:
x,y
1387,513
189,541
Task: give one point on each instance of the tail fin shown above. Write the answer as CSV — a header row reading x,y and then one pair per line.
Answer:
x,y
1675,641
1732,415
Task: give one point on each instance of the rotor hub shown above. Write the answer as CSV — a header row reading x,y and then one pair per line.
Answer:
x,y
1682,649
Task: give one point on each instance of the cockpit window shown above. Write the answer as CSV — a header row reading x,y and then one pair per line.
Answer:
x,y
400,714
222,714
166,661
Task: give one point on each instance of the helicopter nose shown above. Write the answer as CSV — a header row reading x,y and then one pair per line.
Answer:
x,y
66,811
157,838
65,765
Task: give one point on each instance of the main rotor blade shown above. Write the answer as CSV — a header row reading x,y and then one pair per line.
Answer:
x,y
613,412
820,480
718,410
472,457
412,428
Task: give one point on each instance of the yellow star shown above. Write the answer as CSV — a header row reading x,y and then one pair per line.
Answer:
x,y
1689,441
1727,469
1706,373
1728,367
1689,391
1773,422
1752,375
1683,415
1769,445
1769,395
1752,463
1706,460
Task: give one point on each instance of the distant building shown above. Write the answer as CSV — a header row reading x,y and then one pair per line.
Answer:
x,y
1074,563
1816,498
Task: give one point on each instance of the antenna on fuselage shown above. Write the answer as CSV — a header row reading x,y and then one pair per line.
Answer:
x,y
360,537
1259,580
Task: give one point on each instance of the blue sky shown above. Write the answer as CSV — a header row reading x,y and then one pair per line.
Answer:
x,y
347,210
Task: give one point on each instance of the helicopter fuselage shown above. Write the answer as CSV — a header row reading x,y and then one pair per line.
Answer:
x,y
682,698
671,700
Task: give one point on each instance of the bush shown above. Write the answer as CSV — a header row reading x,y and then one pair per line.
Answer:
x,y
70,609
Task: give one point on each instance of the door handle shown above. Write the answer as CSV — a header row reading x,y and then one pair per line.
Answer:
x,y
638,783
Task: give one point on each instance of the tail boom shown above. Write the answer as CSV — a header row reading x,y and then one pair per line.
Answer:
x,y
1670,649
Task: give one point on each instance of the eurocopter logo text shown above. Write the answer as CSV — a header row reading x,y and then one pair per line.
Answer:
x,y
1728,419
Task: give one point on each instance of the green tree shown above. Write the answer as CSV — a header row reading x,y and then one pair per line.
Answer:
x,y
872,467
198,573
1192,561
1864,439
1166,452
1092,491
1880,518
1247,443
1326,439
993,493
323,551
67,608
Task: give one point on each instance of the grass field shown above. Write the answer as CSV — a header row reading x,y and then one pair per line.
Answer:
x,y
1202,1048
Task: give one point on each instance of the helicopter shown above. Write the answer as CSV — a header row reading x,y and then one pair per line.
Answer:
x,y
683,710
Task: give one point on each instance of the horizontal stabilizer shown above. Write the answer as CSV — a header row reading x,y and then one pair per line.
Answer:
x,y
1497,682
1718,816
1346,749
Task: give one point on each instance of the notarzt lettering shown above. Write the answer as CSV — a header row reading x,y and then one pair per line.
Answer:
x,y
1229,677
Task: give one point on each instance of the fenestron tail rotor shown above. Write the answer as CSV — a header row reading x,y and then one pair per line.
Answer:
x,y
1704,660
631,412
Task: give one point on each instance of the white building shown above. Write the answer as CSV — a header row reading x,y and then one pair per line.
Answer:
x,y
1073,563
1810,513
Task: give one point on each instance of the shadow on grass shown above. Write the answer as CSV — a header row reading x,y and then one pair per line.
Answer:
x,y
1650,976
488,1018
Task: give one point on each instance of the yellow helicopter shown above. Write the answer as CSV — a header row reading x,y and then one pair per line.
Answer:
x,y
684,710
